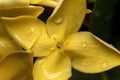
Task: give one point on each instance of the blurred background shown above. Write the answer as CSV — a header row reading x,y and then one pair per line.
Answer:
x,y
104,23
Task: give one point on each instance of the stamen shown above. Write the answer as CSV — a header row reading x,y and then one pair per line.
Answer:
x,y
60,44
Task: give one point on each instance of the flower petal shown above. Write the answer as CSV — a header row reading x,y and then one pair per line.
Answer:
x,y
16,66
43,46
30,10
7,45
25,30
56,66
90,54
50,3
67,17
7,4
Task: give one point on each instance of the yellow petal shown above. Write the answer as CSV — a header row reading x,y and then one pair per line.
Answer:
x,y
67,17
7,45
90,54
56,66
56,0
25,30
34,11
44,45
50,3
7,4
89,11
16,66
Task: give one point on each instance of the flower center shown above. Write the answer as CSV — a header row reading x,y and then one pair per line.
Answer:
x,y
59,45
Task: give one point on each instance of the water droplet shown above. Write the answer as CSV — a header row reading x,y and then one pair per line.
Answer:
x,y
32,29
55,37
84,45
104,65
58,20
40,61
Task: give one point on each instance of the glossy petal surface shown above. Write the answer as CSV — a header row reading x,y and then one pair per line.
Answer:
x,y
90,54
25,30
7,4
56,66
67,17
50,3
16,66
44,45
30,10
7,45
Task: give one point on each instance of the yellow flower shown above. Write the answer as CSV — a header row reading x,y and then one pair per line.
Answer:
x,y
50,3
13,8
57,44
16,66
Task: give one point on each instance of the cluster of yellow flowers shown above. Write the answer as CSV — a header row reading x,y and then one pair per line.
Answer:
x,y
56,45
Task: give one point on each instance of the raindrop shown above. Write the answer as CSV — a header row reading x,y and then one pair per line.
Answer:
x,y
32,29
40,61
58,20
84,45
55,37
104,65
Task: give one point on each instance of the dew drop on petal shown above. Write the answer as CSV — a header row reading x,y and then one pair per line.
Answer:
x,y
40,61
58,19
55,37
84,45
32,29
104,65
